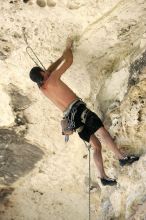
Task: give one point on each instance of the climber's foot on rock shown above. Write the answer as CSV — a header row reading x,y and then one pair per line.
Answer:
x,y
108,181
127,160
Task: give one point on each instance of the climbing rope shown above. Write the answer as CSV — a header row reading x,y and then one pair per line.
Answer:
x,y
29,48
89,184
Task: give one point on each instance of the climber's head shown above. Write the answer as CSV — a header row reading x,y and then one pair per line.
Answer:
x,y
37,75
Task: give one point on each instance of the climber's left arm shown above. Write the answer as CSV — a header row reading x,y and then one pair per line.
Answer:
x,y
54,65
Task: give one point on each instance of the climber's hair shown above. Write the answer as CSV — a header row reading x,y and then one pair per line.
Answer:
x,y
36,76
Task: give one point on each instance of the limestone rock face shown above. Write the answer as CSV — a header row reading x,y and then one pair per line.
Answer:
x,y
41,3
51,3
41,177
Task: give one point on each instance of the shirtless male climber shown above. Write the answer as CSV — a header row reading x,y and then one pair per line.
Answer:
x,y
74,109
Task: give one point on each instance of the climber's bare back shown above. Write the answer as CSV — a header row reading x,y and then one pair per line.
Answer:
x,y
58,92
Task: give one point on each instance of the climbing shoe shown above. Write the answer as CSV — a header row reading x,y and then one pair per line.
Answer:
x,y
128,160
108,181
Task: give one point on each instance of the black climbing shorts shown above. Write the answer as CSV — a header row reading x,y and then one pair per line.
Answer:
x,y
92,123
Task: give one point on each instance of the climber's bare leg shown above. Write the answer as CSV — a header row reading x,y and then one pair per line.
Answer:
x,y
106,138
97,155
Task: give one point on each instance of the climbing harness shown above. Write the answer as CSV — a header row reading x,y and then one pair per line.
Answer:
x,y
29,48
76,102
67,123
89,184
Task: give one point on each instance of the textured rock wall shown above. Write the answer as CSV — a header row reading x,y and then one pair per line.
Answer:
x,y
41,177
